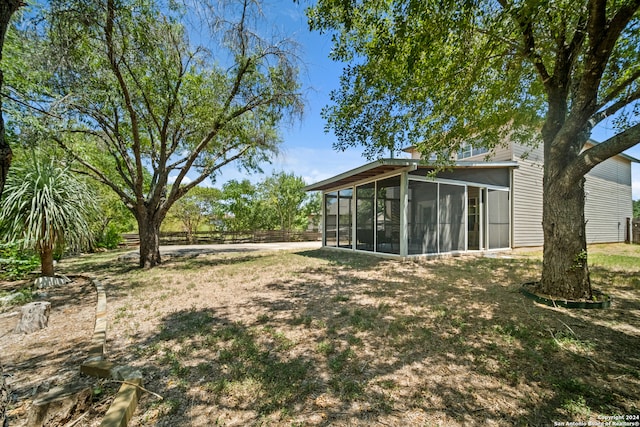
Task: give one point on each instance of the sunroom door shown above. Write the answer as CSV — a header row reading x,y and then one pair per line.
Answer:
x,y
498,219
474,218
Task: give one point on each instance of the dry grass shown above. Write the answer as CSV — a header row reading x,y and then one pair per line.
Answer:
x,y
334,338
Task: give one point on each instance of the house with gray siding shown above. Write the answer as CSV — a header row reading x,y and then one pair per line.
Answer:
x,y
487,200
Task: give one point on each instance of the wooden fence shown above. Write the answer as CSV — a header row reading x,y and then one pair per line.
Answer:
x,y
211,237
635,231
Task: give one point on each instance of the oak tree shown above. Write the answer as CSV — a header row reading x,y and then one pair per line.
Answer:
x,y
141,91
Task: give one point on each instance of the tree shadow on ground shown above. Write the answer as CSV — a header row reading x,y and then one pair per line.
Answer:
x,y
482,323
108,264
352,259
363,340
217,356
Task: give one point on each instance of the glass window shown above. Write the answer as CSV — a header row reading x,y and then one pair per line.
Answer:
x,y
465,151
330,219
423,217
451,218
344,218
468,150
478,151
365,215
498,219
388,216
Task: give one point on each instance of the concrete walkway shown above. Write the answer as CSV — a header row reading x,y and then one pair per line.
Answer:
x,y
192,250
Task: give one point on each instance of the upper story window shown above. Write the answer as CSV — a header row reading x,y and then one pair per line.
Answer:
x,y
468,150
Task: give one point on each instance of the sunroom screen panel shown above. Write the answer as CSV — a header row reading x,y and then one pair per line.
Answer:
x,y
451,218
388,216
344,218
331,219
365,217
423,218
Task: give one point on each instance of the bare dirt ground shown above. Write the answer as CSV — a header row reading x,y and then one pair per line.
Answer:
x,y
34,363
312,337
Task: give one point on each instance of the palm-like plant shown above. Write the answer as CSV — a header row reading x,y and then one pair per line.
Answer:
x,y
45,207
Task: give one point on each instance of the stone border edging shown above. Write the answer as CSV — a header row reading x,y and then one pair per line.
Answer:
x,y
121,410
563,303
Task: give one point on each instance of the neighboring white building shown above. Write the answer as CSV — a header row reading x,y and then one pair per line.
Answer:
x,y
486,201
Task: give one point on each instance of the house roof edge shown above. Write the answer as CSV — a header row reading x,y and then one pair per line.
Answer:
x,y
397,164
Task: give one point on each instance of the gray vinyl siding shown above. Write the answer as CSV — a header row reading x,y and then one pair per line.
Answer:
x,y
526,152
607,205
608,201
527,196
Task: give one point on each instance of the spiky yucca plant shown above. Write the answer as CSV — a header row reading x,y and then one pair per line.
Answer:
x,y
45,207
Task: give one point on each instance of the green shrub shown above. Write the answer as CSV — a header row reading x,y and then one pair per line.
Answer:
x,y
110,238
24,296
16,264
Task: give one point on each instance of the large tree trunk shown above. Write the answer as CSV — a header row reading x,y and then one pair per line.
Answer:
x,y
565,273
46,261
149,231
7,9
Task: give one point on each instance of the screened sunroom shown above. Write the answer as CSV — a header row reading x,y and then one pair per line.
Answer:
x,y
400,207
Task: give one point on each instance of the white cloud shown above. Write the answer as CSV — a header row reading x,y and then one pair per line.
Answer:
x,y
312,164
317,164
185,180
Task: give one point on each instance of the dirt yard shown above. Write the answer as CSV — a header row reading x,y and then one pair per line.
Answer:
x,y
34,363
319,338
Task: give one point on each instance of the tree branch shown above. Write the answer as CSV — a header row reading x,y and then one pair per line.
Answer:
x,y
114,154
617,90
613,108
526,28
575,46
179,190
603,35
597,154
127,96
95,172
111,130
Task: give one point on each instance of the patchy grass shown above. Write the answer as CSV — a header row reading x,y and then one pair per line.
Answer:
x,y
335,338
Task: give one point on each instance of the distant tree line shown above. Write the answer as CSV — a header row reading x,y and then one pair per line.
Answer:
x,y
43,195
278,202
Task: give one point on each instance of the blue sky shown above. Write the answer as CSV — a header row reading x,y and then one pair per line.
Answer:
x,y
307,150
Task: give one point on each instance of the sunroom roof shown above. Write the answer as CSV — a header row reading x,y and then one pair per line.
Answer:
x,y
386,166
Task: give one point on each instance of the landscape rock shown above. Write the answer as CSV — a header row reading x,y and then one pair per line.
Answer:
x,y
129,256
34,316
50,281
